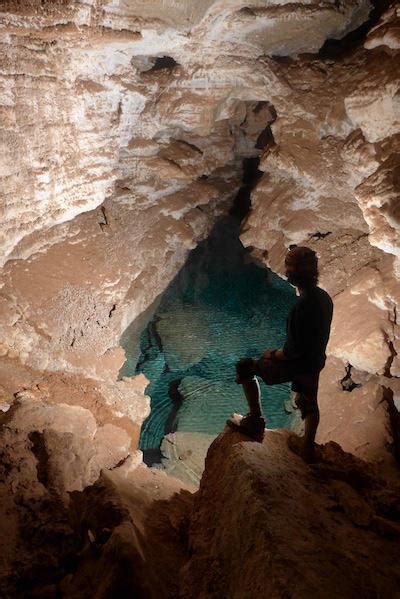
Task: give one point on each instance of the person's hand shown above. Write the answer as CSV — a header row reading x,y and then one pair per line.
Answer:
x,y
267,355
273,354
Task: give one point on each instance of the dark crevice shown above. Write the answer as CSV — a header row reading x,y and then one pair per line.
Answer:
x,y
394,418
391,357
152,455
319,235
334,48
347,382
161,63
117,118
40,452
266,138
103,223
176,401
120,463
263,103
361,236
286,60
247,11
260,105
189,145
251,175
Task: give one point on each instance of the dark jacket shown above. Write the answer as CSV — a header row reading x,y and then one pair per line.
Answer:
x,y
307,329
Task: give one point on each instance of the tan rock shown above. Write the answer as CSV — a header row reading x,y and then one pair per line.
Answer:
x,y
331,508
387,31
379,199
374,107
357,420
69,447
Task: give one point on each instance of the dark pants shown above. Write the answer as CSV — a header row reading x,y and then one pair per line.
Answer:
x,y
275,372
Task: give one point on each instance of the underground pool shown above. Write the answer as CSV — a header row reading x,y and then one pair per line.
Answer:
x,y
219,308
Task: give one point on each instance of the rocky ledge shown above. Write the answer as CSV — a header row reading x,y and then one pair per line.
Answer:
x,y
263,523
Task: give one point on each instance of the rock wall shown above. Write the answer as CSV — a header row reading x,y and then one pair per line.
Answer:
x,y
330,182
264,524
139,118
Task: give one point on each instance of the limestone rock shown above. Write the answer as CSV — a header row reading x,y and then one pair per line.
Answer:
x,y
124,130
331,545
122,144
326,177
374,105
358,419
138,531
127,519
387,31
69,447
101,104
379,198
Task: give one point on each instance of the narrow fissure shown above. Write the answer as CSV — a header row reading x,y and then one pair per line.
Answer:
x,y
251,175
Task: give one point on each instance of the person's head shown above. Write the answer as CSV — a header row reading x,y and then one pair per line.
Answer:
x,y
301,266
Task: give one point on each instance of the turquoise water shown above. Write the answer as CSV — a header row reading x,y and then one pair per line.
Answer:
x,y
220,307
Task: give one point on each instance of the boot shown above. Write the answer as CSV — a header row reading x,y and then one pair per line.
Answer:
x,y
251,426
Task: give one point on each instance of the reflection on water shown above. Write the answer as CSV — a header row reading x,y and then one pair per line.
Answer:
x,y
218,309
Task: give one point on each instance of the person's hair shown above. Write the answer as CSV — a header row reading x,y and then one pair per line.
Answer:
x,y
306,262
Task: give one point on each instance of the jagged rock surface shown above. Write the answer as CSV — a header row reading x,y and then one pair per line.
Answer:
x,y
262,524
124,131
139,117
330,182
266,525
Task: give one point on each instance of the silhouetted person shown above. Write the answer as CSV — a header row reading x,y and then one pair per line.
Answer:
x,y
300,360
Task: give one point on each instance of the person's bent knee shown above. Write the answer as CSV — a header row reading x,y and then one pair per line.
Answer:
x,y
245,370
